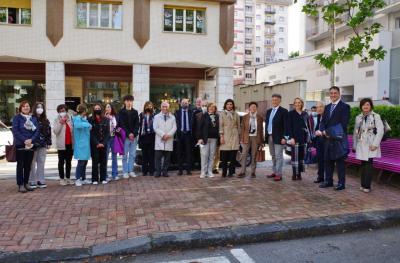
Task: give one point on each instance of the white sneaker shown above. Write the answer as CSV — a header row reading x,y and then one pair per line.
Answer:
x,y
202,176
126,176
132,174
104,182
63,182
78,182
95,183
116,178
70,181
87,181
211,175
366,190
108,179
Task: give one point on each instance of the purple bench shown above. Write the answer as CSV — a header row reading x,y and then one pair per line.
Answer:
x,y
390,157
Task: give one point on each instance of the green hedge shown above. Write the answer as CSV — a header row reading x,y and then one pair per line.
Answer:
x,y
390,113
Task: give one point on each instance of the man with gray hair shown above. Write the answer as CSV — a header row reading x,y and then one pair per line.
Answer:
x,y
164,126
319,144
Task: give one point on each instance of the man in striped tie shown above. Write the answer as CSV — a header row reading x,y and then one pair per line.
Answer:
x,y
336,113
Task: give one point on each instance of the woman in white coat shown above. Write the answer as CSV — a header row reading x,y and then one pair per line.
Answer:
x,y
367,136
164,126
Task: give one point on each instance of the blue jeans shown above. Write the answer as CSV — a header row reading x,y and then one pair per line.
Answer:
x,y
114,162
128,160
81,170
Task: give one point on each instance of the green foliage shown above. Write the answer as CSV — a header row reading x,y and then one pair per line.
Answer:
x,y
390,113
357,13
294,54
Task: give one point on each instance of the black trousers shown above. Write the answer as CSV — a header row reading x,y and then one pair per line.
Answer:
x,y
321,159
341,170
147,152
161,160
185,151
366,173
99,158
24,162
65,157
228,160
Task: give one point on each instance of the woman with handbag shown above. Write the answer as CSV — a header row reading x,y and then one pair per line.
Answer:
x,y
147,138
367,136
25,130
43,143
251,137
112,117
208,130
298,134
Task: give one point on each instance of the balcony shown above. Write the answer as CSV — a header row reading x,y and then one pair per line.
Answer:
x,y
391,6
270,22
270,11
312,32
269,43
270,32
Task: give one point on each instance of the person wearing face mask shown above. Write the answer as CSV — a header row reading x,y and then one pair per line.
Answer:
x,y
81,143
25,129
112,119
184,120
196,127
147,138
229,132
99,135
43,143
63,131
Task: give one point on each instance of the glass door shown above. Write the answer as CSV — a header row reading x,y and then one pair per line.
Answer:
x,y
172,93
106,92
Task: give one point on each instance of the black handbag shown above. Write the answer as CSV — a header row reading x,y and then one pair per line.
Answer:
x,y
11,153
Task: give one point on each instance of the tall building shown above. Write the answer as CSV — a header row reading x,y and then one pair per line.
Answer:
x,y
379,80
261,36
86,51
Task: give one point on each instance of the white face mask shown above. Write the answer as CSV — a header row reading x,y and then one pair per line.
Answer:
x,y
39,111
204,109
63,114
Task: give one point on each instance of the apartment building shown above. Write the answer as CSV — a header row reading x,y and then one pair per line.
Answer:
x,y
85,51
379,80
260,36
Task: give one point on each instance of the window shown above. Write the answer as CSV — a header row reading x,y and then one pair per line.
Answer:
x,y
249,30
184,20
240,73
17,16
258,38
258,27
397,23
249,19
258,6
248,75
281,8
99,15
247,51
281,51
234,72
281,19
257,59
248,41
281,40
258,49
249,8
258,17
247,63
281,29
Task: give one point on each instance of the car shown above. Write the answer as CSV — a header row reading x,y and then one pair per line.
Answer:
x,y
6,138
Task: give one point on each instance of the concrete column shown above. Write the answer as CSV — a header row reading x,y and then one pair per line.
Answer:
x,y
140,85
55,88
224,89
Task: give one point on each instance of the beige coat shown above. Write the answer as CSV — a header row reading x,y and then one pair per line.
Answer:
x,y
162,127
364,137
230,129
59,131
245,130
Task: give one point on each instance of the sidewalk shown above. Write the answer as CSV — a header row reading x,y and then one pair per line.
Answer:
x,y
71,217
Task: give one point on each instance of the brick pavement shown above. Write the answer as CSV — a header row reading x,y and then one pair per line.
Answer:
x,y
67,217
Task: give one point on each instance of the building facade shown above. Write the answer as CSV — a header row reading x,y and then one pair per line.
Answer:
x,y
86,51
379,80
261,36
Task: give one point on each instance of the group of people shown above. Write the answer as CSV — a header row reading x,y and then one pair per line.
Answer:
x,y
216,135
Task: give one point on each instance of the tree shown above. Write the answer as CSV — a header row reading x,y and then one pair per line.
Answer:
x,y
357,14
294,54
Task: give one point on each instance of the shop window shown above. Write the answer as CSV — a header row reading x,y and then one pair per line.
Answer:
x,y
12,92
16,12
189,20
99,15
106,92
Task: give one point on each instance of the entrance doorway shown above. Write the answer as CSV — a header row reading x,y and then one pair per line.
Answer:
x,y
172,93
106,92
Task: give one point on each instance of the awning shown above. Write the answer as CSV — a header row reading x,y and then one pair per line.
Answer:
x,y
16,3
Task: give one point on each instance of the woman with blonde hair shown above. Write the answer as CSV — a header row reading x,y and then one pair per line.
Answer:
x,y
298,135
208,139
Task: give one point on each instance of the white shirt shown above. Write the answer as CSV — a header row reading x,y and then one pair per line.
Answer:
x,y
255,133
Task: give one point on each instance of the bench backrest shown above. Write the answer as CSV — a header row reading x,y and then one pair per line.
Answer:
x,y
389,148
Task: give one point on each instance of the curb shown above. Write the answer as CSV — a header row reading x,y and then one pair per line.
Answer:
x,y
283,230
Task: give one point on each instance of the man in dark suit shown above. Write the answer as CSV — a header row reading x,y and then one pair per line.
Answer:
x,y
274,135
184,121
337,112
319,144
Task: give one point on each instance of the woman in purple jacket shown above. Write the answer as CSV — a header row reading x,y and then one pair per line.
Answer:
x,y
25,130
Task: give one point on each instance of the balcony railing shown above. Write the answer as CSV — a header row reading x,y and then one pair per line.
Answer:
x,y
270,32
270,11
312,32
269,42
270,22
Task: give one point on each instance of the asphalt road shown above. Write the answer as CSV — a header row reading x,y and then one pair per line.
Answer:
x,y
375,246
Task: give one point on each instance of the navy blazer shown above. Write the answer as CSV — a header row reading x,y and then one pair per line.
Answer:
x,y
340,115
178,115
278,125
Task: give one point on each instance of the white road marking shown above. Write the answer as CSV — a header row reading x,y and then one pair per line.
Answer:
x,y
242,256
203,260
